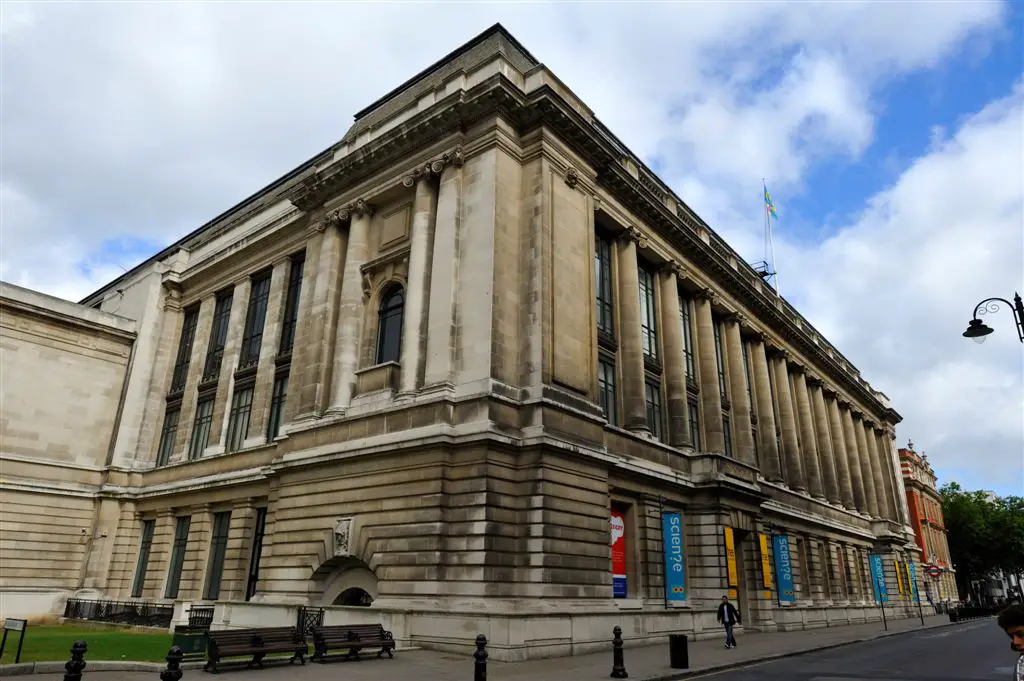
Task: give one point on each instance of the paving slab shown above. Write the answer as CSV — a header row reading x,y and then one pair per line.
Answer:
x,y
647,663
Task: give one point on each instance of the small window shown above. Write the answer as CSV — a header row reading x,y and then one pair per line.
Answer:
x,y
148,527
389,329
168,434
181,528
606,389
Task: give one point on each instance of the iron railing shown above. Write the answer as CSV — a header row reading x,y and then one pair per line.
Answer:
x,y
139,613
200,616
309,618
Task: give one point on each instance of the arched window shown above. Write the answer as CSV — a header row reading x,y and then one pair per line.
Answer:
x,y
389,325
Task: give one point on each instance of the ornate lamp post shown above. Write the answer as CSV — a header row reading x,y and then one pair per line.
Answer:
x,y
977,330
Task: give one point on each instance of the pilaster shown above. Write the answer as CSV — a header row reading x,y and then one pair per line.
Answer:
x,y
711,400
634,407
771,463
350,308
853,454
268,351
444,272
414,326
740,397
867,474
842,458
675,371
809,440
228,365
826,452
787,414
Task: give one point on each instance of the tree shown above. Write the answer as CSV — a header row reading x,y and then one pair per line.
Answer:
x,y
985,533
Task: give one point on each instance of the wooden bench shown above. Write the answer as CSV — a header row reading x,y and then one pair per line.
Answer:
x,y
255,642
353,637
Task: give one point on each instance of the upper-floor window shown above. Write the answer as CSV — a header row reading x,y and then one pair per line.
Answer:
x,y
693,414
168,435
603,284
652,401
686,321
184,356
291,303
218,336
749,378
648,324
389,328
255,317
606,390
720,360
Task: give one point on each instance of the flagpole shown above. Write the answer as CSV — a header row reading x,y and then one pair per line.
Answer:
x,y
771,246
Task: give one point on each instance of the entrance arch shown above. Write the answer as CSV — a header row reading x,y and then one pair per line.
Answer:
x,y
350,582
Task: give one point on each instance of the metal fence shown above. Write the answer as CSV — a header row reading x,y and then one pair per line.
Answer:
x,y
309,618
139,613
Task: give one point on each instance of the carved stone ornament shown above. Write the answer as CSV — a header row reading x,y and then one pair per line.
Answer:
x,y
707,294
342,535
435,167
572,177
634,234
367,285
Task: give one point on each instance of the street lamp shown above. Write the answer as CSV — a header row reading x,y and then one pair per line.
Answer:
x,y
977,330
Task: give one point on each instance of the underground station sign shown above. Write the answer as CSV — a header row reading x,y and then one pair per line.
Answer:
x,y
933,570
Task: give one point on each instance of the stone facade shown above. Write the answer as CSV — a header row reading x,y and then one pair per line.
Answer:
x,y
426,367
925,507
62,369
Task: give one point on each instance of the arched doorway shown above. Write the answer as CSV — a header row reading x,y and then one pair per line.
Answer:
x,y
354,596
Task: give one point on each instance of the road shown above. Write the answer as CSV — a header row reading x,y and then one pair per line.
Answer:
x,y
975,651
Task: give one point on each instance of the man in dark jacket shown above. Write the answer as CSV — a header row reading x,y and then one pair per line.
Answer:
x,y
730,617
1012,622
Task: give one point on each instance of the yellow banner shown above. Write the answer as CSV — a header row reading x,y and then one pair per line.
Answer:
x,y
730,558
899,579
766,563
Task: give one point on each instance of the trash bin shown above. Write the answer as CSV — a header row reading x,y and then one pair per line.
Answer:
x,y
678,651
192,640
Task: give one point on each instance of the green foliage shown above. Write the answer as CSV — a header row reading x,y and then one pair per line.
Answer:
x,y
52,643
985,532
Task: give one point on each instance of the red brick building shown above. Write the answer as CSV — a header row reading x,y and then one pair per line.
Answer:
x,y
935,571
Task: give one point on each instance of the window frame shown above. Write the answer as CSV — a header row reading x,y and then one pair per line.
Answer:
x,y
168,434
142,564
218,336
255,553
179,547
201,421
604,285
278,400
239,416
183,357
654,407
220,532
390,316
648,311
293,296
255,320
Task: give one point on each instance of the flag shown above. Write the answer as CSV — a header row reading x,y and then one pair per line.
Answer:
x,y
768,205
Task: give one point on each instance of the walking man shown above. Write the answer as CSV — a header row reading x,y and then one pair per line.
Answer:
x,y
730,617
1012,622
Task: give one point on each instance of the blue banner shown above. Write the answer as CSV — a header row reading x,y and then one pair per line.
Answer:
x,y
878,578
675,558
912,571
783,569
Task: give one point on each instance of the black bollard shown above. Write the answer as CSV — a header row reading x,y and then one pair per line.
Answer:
x,y
74,667
173,671
618,665
480,665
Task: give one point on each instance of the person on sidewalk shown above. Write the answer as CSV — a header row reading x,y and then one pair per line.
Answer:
x,y
1012,622
730,617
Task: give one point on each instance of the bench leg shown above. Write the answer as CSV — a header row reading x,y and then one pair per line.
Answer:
x,y
257,659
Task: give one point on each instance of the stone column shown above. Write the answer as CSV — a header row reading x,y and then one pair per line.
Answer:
x,y
790,443
631,352
825,450
675,371
189,397
421,243
865,467
880,456
740,402
853,453
877,475
264,385
444,268
835,421
812,467
312,358
228,365
771,464
350,309
899,489
711,399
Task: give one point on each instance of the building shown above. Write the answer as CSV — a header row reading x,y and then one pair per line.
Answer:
x,y
936,571
476,365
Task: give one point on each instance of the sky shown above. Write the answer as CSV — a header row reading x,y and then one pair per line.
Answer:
x,y
891,135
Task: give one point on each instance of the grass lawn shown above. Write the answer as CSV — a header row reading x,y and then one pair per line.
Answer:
x,y
52,643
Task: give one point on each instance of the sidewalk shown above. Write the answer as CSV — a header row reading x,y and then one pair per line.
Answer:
x,y
648,663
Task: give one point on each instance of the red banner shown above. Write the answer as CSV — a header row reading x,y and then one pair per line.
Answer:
x,y
618,542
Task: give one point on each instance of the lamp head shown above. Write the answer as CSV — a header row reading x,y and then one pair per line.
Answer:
x,y
977,331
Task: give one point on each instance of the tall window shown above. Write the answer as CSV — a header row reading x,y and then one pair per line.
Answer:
x,y
685,320
727,433
719,359
184,356
278,396
148,527
389,328
168,434
218,336
694,416
606,390
648,323
201,427
238,421
749,378
291,303
603,276
218,549
254,556
255,318
652,397
181,528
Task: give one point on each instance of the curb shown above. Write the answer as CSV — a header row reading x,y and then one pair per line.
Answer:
x,y
726,666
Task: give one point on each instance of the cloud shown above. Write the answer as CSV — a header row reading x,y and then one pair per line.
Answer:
x,y
142,121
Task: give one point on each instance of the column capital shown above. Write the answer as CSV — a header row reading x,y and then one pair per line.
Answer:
x,y
777,353
172,294
814,381
828,391
673,268
633,233
433,168
856,413
738,318
707,294
844,403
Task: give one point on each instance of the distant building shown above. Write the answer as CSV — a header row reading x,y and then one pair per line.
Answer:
x,y
937,573
474,365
